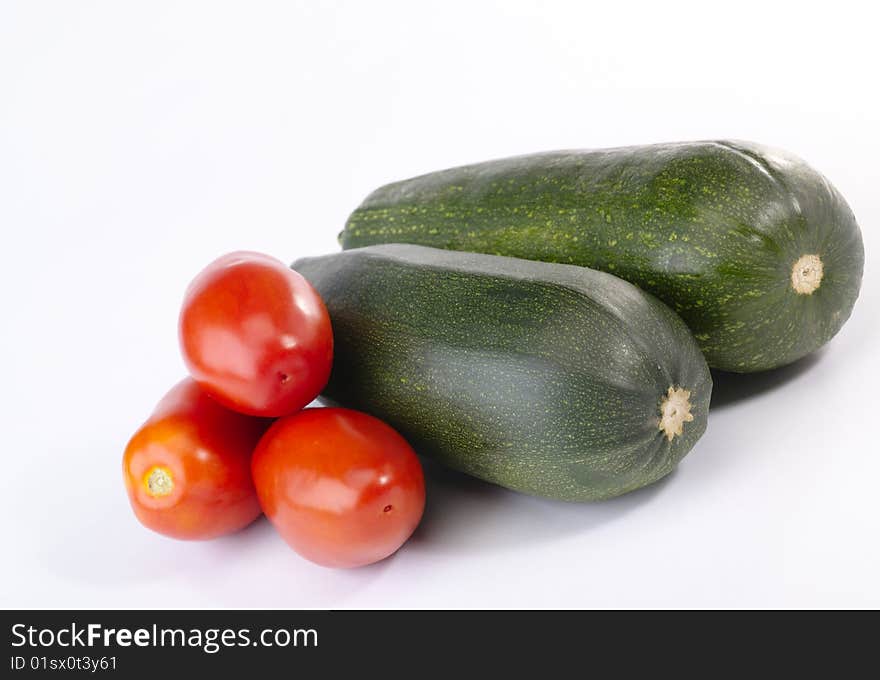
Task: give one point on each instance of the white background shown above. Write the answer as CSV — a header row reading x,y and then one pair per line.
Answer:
x,y
139,140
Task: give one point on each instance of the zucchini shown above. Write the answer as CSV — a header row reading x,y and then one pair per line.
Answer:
x,y
757,252
550,379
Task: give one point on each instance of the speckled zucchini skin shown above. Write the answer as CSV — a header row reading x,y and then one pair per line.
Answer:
x,y
711,228
544,378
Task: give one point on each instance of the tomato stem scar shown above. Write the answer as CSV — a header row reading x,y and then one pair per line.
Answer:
x,y
159,481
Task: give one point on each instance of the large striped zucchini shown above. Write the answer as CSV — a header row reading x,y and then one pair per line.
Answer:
x,y
759,254
550,379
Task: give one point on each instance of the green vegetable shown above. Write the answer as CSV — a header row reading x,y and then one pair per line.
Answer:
x,y
757,252
549,379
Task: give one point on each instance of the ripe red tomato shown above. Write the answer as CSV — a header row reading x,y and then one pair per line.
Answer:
x,y
255,335
187,469
342,487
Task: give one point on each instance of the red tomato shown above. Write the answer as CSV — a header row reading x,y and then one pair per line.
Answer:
x,y
343,488
187,469
255,335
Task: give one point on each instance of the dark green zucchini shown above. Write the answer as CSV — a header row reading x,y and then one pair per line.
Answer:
x,y
757,252
549,379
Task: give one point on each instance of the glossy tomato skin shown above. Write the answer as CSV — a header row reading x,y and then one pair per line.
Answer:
x,y
255,335
187,469
341,487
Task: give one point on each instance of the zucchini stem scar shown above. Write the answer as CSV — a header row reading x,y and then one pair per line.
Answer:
x,y
675,411
159,481
806,274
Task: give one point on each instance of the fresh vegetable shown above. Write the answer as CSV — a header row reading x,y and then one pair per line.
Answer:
x,y
255,335
187,469
342,488
550,379
758,253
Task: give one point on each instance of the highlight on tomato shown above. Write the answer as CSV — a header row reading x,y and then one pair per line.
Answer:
x,y
255,335
341,487
187,469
